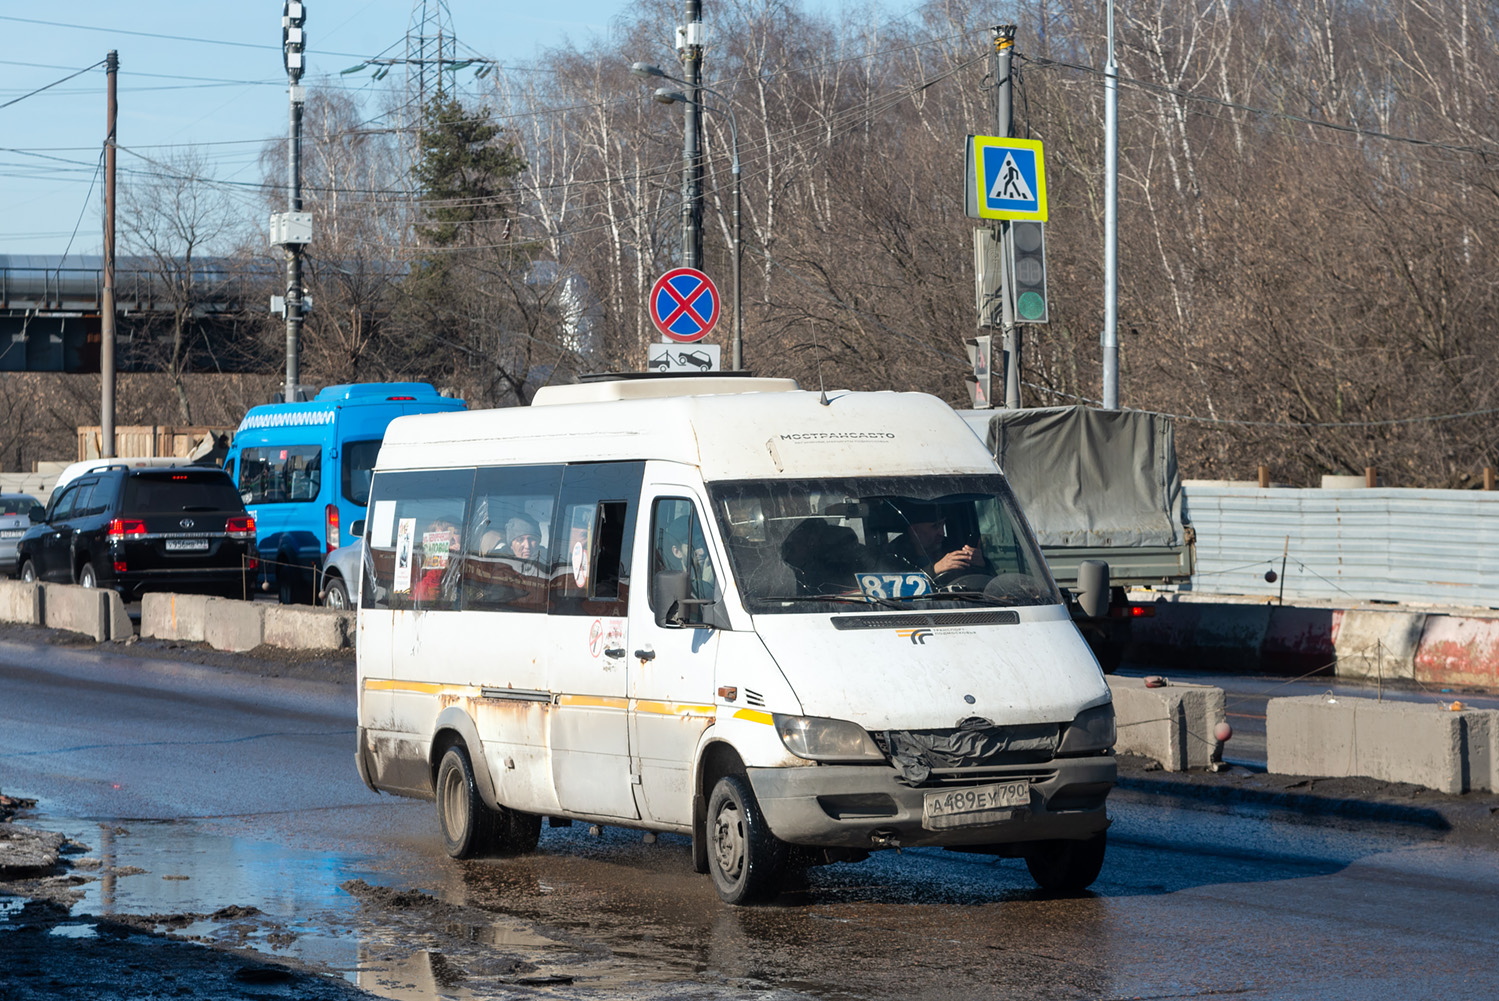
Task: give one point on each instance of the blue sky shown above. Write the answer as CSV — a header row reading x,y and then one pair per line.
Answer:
x,y
206,73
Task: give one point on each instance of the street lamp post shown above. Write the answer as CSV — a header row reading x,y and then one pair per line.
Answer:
x,y
665,96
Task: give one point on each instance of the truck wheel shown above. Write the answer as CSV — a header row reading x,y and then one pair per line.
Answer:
x,y
745,860
468,826
1067,866
87,577
28,572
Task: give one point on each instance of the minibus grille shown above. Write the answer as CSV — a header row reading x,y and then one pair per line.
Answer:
x,y
967,753
916,620
969,776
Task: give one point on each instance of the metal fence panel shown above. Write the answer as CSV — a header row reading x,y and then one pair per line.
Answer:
x,y
1375,544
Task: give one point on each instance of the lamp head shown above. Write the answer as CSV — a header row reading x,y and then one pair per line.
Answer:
x,y
646,69
664,96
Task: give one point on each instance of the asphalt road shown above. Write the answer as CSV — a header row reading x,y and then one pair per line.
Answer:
x,y
197,788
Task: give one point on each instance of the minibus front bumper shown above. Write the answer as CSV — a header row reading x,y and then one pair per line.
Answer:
x,y
866,807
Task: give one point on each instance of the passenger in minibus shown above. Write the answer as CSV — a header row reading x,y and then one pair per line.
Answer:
x,y
522,540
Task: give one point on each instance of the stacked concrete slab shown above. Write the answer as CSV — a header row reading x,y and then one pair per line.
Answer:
x,y
227,624
1441,649
1171,722
1426,744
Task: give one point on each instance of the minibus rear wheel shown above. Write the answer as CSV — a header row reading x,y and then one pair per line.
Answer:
x,y
1066,866
745,860
468,826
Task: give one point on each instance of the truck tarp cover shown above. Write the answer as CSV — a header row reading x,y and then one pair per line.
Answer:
x,y
1088,477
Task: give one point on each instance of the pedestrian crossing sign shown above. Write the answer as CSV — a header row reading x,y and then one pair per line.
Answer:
x,y
1006,179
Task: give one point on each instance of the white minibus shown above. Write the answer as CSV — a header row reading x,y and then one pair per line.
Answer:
x,y
798,627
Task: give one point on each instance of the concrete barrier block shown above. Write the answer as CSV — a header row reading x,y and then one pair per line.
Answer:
x,y
166,616
1172,724
117,624
1373,643
1481,737
1420,743
1229,636
74,609
234,625
303,628
21,601
1459,651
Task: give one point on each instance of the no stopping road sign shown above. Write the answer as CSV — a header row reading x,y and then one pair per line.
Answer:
x,y
684,304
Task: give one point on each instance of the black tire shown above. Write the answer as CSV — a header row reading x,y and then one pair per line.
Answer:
x,y
293,586
87,577
336,595
745,860
1067,866
468,827
28,572
471,829
515,833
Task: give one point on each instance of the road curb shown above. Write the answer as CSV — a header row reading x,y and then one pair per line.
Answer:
x,y
1349,799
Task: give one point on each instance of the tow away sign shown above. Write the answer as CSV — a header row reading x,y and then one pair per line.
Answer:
x,y
1006,179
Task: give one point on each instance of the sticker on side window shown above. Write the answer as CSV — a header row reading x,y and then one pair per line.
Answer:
x,y
405,537
893,585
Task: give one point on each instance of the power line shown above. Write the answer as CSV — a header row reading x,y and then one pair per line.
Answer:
x,y
1145,85
54,83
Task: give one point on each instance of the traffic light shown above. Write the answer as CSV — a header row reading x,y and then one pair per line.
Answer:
x,y
1026,248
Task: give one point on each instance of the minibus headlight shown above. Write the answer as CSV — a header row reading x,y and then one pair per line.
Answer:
x,y
1091,732
829,740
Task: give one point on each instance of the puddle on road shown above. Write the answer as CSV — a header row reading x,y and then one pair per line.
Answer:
x,y
314,908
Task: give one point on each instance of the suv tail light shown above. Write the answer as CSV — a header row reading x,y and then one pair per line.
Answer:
x,y
122,527
331,524
240,526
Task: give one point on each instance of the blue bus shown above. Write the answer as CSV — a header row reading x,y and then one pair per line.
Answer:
x,y
303,470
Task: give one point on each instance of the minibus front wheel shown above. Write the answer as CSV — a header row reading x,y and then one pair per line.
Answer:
x,y
745,860
1066,866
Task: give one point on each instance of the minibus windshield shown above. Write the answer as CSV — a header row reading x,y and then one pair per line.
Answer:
x,y
817,545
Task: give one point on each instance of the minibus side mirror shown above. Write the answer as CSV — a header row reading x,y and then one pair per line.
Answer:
x,y
674,608
1093,588
356,530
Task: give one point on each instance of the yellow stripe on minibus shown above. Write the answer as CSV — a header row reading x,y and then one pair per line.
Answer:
x,y
384,685
755,716
672,708
593,701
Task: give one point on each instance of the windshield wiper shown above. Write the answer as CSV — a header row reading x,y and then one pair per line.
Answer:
x,y
848,599
977,597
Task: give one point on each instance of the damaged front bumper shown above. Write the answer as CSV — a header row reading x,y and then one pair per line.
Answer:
x,y
868,807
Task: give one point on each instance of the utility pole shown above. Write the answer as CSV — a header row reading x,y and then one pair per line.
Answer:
x,y
293,229
1004,48
1110,337
107,307
690,48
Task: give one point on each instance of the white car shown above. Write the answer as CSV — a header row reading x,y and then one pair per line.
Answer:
x,y
18,512
338,582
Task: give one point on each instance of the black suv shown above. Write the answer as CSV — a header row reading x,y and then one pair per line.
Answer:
x,y
164,528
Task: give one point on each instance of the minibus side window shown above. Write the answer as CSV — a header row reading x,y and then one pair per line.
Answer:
x,y
678,549
276,474
358,468
415,539
510,538
591,570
